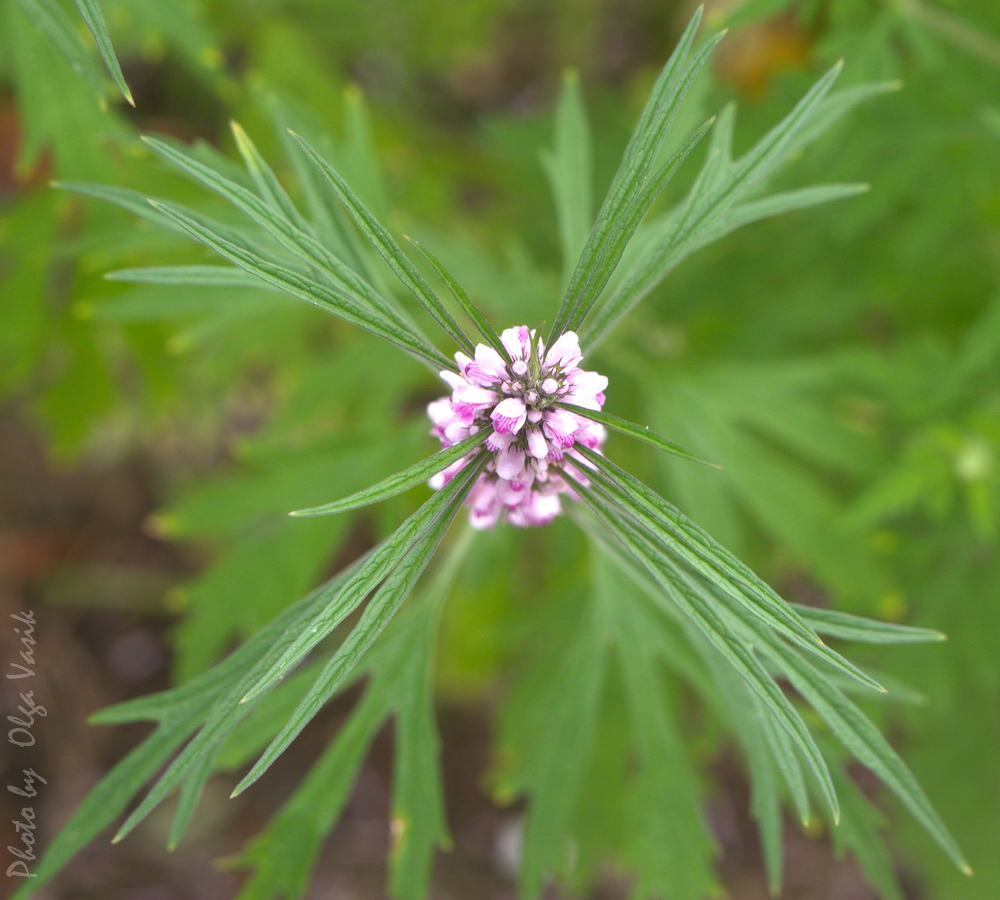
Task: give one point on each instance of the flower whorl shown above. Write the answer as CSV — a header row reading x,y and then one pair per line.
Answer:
x,y
532,438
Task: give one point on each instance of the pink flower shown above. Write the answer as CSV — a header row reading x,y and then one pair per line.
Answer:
x,y
531,438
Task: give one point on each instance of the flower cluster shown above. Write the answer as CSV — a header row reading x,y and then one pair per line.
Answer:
x,y
532,438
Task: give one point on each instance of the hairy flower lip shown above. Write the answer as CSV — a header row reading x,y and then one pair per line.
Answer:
x,y
531,438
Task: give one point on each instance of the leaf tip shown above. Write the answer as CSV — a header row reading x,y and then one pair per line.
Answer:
x,y
966,869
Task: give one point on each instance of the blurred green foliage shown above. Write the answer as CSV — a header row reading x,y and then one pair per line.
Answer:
x,y
842,364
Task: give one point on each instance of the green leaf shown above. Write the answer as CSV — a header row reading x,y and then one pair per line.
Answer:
x,y
199,276
869,631
383,560
265,180
719,186
301,242
214,698
470,308
569,168
851,727
49,18
856,732
387,248
784,755
565,722
776,204
716,624
188,801
92,15
640,432
332,300
621,212
668,843
698,550
407,553
105,801
401,481
284,853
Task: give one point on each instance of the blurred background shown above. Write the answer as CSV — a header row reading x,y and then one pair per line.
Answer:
x,y
842,363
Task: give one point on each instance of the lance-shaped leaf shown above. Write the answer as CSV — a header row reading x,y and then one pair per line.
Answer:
x,y
179,710
139,205
49,18
720,185
409,564
855,731
640,432
387,248
401,481
313,623
92,15
198,276
717,627
389,554
843,625
570,171
284,853
634,213
625,203
326,297
106,801
265,180
290,235
698,550
776,204
191,792
464,300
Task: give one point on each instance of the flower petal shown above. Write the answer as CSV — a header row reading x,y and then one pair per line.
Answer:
x,y
509,415
510,463
517,341
565,352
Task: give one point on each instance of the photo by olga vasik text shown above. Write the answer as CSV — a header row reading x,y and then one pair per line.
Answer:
x,y
21,734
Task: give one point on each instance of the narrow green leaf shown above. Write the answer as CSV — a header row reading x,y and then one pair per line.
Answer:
x,y
331,299
620,213
92,15
265,180
869,631
221,712
570,171
715,625
387,247
200,276
382,561
852,728
776,204
105,801
640,432
301,242
470,308
283,854
856,732
783,754
719,186
401,481
188,800
410,556
49,18
133,201
634,212
213,685
714,562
